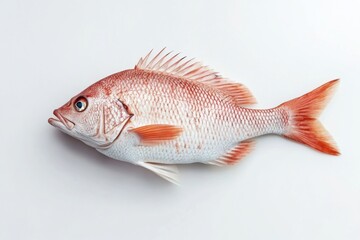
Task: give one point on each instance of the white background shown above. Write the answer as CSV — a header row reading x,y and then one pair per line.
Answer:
x,y
54,187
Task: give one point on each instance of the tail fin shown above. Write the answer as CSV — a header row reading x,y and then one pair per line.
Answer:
x,y
303,124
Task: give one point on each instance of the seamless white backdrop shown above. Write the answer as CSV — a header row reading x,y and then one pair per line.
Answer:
x,y
54,187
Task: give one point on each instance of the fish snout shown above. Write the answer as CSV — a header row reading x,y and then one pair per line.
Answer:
x,y
61,119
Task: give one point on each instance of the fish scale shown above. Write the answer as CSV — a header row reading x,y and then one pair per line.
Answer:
x,y
168,110
218,120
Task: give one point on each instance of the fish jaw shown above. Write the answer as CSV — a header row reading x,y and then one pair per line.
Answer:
x,y
61,122
66,126
96,141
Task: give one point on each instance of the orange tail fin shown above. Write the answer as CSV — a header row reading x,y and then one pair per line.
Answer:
x,y
303,124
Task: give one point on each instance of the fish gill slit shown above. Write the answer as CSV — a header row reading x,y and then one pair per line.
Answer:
x,y
103,124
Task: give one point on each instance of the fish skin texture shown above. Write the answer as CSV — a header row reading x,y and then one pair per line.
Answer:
x,y
170,110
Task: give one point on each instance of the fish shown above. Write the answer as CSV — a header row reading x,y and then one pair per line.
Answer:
x,y
171,110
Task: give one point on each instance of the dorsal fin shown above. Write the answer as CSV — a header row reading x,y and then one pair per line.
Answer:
x,y
195,71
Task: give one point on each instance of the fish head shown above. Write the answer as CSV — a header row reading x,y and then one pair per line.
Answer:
x,y
93,116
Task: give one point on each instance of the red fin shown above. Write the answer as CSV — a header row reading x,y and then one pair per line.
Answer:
x,y
153,134
235,154
303,124
196,71
236,92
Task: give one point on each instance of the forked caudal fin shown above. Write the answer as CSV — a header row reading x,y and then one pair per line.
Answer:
x,y
303,124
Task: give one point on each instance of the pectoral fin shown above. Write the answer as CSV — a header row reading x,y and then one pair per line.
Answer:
x,y
153,134
166,171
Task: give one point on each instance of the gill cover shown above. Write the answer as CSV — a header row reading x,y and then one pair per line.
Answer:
x,y
113,119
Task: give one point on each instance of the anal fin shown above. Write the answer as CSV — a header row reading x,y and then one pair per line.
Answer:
x,y
235,154
167,171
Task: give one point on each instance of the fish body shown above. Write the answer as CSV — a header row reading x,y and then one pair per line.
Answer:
x,y
210,126
169,111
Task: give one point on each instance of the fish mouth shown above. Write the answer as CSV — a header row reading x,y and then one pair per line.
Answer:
x,y
60,121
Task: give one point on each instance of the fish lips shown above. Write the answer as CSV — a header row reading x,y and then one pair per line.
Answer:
x,y
60,121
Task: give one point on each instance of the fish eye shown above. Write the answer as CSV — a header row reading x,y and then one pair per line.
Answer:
x,y
80,104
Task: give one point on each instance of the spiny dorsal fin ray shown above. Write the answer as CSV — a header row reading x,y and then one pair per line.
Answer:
x,y
195,71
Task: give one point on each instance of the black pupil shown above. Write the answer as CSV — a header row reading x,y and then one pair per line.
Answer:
x,y
79,105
